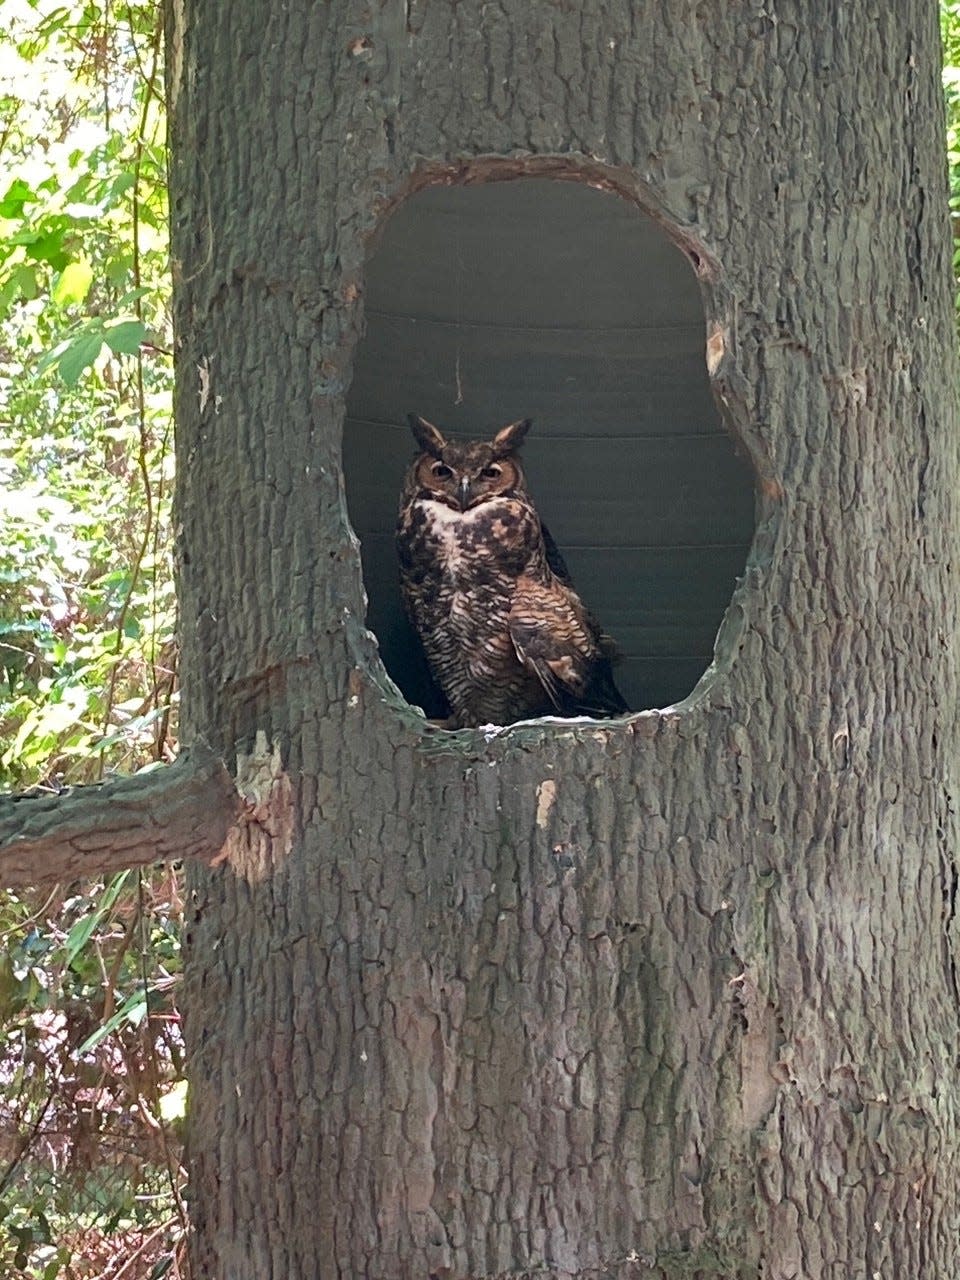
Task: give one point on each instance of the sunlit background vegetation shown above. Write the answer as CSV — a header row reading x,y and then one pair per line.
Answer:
x,y
91,1091
91,1067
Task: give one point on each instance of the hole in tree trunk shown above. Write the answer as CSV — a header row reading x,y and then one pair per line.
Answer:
x,y
555,301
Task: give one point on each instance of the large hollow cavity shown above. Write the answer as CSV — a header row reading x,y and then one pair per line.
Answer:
x,y
555,301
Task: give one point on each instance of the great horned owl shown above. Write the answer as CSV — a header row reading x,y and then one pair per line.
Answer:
x,y
483,583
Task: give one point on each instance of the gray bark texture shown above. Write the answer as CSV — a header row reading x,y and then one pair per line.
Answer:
x,y
187,811
670,997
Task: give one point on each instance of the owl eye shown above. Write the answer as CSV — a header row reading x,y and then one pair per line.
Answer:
x,y
492,472
441,471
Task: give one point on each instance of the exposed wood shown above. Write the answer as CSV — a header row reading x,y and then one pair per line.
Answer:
x,y
183,810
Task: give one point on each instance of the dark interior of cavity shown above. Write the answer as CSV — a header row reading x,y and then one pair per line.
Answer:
x,y
555,301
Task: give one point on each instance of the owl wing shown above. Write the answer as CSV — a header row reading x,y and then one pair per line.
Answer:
x,y
555,558
556,641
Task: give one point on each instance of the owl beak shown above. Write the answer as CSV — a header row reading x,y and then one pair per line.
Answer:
x,y
463,492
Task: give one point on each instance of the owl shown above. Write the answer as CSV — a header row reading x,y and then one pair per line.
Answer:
x,y
505,634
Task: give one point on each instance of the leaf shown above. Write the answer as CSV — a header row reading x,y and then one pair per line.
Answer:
x,y
132,295
26,279
122,184
74,283
118,271
125,337
17,195
132,1010
10,990
32,626
49,248
79,355
7,294
52,356
82,931
21,283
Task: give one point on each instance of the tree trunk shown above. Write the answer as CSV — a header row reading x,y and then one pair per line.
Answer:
x,y
674,996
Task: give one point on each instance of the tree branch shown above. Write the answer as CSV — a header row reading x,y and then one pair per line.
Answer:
x,y
183,810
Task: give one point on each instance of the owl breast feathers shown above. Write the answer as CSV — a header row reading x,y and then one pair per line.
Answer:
x,y
504,632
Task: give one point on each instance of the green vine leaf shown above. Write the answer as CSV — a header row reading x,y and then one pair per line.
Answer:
x,y
125,338
80,354
18,194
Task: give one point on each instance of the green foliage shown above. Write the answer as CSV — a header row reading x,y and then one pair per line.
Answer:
x,y
86,601
86,1170
90,1058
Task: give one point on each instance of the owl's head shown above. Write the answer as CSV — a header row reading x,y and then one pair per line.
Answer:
x,y
464,474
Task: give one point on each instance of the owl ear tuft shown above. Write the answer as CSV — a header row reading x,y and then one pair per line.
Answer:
x,y
426,435
508,439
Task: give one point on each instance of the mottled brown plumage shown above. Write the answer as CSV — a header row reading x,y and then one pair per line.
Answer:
x,y
504,632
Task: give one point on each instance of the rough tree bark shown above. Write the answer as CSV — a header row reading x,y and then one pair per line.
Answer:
x,y
188,810
670,997
676,996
